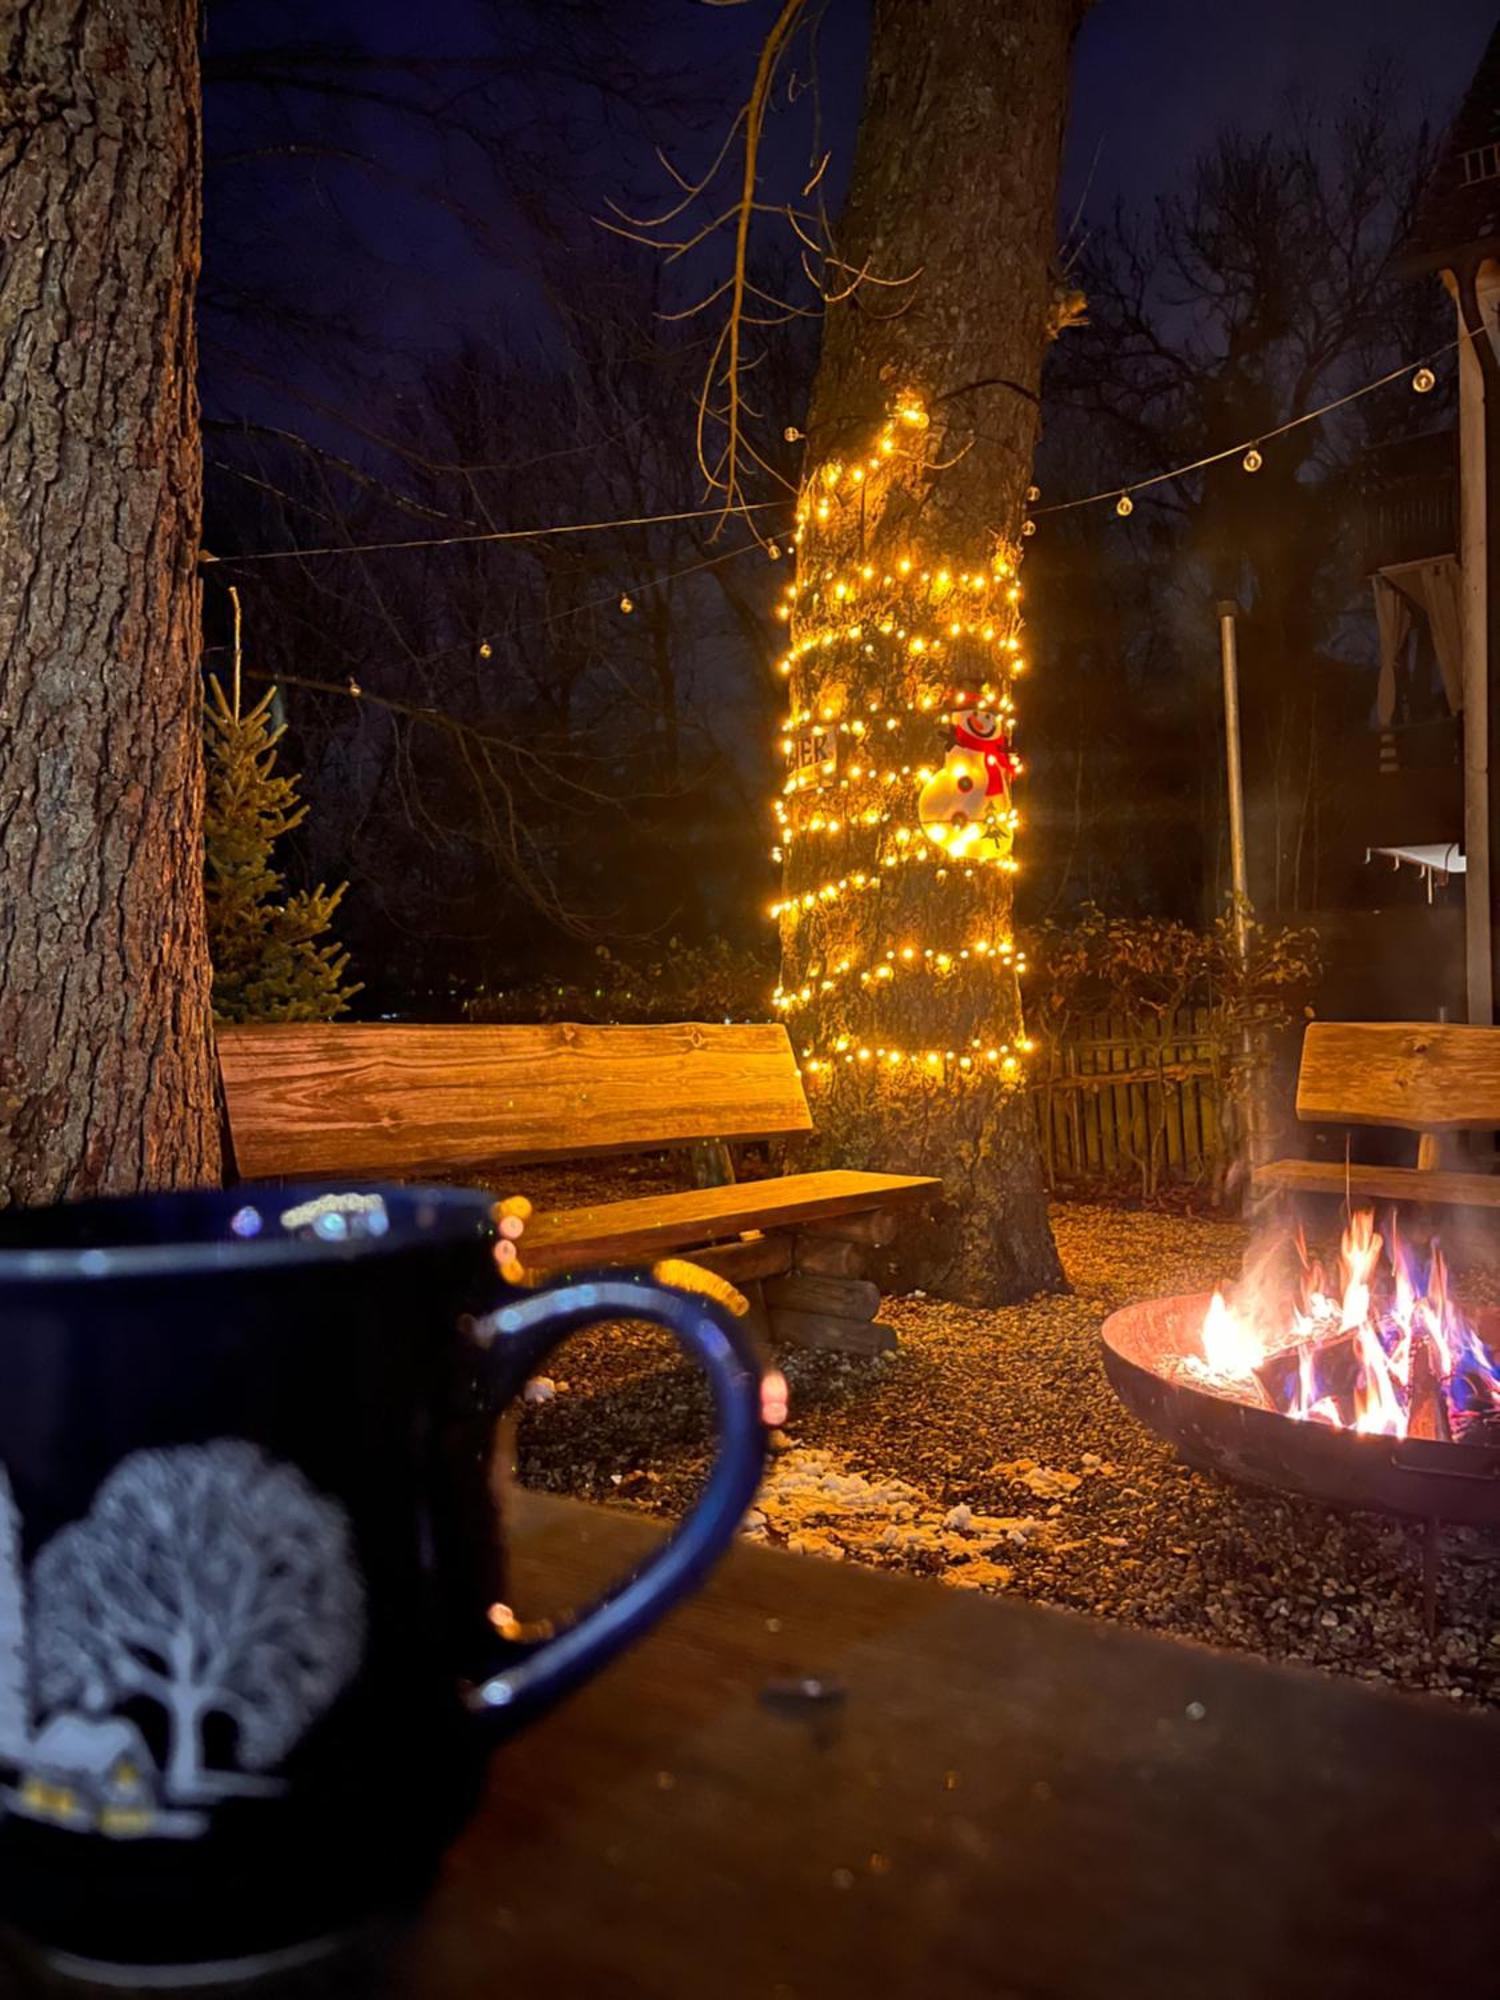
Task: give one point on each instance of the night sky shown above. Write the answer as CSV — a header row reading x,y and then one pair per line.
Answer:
x,y
1154,80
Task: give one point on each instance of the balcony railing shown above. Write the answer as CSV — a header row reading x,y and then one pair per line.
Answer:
x,y
1408,496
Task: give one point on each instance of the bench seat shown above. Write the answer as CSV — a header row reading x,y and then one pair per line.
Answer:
x,y
655,1226
1414,1184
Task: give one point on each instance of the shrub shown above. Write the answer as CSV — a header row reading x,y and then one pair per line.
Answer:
x,y
1132,1012
1148,968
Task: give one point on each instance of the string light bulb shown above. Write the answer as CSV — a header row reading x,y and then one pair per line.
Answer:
x,y
1124,505
1252,461
627,604
1423,380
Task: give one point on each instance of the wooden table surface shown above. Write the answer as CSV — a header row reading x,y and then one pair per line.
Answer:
x,y
1002,1800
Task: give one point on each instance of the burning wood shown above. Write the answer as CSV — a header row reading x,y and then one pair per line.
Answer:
x,y
1385,1352
1427,1407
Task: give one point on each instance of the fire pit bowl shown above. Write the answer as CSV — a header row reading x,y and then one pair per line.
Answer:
x,y
1428,1479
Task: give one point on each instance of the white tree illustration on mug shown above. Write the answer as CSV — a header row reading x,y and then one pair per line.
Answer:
x,y
214,1582
15,1690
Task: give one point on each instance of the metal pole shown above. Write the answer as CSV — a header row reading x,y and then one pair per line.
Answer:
x,y
1256,1124
1228,611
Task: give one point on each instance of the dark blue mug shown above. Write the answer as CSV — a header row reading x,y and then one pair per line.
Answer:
x,y
254,1638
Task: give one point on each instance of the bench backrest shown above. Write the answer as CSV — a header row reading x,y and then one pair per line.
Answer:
x,y
392,1099
1423,1076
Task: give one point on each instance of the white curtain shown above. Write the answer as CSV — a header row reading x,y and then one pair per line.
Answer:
x,y
1437,586
1393,621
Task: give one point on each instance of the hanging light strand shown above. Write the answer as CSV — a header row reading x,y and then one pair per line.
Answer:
x,y
1248,450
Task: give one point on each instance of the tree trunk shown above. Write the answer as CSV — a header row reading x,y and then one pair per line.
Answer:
x,y
899,976
106,1065
184,1774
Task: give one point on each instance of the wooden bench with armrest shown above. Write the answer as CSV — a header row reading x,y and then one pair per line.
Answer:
x,y
1425,1077
399,1102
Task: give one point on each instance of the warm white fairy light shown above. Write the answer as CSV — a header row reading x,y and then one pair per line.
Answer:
x,y
956,623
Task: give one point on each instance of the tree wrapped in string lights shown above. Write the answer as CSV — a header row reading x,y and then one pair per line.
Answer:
x,y
899,784
896,826
897,821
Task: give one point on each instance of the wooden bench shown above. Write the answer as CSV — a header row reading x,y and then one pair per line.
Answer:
x,y
1419,1076
397,1102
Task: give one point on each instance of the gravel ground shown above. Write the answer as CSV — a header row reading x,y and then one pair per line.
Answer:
x,y
990,1451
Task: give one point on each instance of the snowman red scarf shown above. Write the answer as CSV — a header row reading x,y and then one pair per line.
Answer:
x,y
977,729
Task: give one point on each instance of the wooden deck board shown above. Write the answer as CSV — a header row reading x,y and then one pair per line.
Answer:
x,y
1004,1803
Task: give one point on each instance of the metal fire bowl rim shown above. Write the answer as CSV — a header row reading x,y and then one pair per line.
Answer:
x,y
1422,1478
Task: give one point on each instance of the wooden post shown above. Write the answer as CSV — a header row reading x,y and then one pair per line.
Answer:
x,y
1431,1551
1472,564
1477,330
712,1163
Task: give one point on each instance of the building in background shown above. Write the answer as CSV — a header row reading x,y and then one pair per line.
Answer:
x,y
1437,590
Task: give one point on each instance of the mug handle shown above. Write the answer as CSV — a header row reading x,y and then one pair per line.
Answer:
x,y
521,1334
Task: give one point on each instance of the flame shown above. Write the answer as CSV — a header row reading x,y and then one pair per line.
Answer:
x,y
1379,1411
1230,1346
1359,1254
1342,1354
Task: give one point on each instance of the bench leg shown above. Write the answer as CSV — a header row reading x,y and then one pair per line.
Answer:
x,y
1431,1555
712,1163
825,1301
843,1336
828,1256
876,1226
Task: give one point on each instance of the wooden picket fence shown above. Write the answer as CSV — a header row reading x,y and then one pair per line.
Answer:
x,y
1118,1099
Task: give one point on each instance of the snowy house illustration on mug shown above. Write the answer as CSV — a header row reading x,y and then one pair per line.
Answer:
x,y
209,1601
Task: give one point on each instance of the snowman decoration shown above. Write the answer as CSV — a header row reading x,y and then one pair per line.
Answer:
x,y
965,807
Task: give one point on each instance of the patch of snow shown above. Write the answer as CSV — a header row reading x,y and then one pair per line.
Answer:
x,y
1047,1482
813,1502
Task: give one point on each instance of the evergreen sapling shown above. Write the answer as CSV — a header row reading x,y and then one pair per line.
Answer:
x,y
271,959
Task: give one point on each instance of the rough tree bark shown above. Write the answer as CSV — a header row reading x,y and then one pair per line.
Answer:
x,y
899,981
106,1079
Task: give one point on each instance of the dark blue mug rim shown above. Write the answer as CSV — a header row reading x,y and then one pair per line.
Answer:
x,y
417,1216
